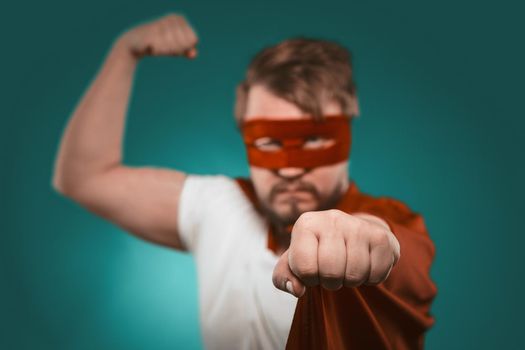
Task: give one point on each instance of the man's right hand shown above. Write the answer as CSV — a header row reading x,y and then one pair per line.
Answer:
x,y
170,35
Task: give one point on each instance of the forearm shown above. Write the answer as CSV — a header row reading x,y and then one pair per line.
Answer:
x,y
93,137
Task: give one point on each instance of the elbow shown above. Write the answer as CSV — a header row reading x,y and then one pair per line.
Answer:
x,y
73,182
58,184
57,177
66,180
64,184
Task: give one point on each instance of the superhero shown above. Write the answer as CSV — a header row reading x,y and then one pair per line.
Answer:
x,y
349,270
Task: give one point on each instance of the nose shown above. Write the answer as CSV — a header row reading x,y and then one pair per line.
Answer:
x,y
291,173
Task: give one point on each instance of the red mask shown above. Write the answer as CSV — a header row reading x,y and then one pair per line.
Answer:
x,y
289,138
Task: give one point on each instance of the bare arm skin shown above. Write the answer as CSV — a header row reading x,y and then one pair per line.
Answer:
x,y
88,167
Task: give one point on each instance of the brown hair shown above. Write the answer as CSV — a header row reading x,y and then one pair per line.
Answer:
x,y
306,72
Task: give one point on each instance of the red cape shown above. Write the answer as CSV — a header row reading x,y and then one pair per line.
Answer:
x,y
392,315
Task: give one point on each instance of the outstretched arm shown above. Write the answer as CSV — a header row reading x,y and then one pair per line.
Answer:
x,y
361,294
88,167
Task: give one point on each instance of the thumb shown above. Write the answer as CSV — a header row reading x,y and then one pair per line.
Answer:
x,y
191,53
284,279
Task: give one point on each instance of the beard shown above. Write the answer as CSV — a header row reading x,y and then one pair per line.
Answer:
x,y
288,217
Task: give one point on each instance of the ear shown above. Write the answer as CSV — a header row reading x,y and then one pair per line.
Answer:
x,y
240,101
354,109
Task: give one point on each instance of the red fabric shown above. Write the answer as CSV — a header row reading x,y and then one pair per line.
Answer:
x,y
391,315
291,134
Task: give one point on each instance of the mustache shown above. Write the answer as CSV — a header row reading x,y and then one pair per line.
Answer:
x,y
297,186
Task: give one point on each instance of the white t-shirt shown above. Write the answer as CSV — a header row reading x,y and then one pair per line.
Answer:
x,y
239,306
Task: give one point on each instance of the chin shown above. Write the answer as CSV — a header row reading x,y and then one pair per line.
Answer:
x,y
289,212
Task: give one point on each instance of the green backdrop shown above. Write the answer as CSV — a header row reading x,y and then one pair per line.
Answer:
x,y
441,91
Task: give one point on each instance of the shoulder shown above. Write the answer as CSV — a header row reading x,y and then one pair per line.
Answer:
x,y
204,184
391,209
208,190
209,180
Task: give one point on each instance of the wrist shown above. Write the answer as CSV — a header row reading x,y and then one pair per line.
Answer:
x,y
122,49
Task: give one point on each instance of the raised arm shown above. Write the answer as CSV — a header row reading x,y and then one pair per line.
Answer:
x,y
88,167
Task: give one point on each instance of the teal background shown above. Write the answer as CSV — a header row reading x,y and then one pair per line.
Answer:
x,y
441,92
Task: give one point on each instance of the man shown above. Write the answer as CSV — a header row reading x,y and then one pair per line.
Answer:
x,y
332,252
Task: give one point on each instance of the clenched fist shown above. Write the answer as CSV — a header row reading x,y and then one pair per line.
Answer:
x,y
168,35
336,249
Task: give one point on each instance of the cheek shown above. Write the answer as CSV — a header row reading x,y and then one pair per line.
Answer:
x,y
324,183
263,180
327,178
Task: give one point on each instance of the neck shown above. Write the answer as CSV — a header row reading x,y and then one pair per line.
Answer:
x,y
279,237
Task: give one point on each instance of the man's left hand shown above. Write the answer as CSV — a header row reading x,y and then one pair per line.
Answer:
x,y
336,249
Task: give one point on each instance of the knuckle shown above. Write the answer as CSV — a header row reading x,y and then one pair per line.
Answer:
x,y
359,223
336,218
331,283
161,30
305,219
376,280
172,16
352,282
379,275
353,276
302,263
333,213
397,253
307,216
351,225
331,276
304,271
173,21
380,237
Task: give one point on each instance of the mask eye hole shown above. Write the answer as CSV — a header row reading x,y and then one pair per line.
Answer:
x,y
267,144
317,142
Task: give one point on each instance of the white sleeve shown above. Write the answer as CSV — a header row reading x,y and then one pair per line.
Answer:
x,y
198,202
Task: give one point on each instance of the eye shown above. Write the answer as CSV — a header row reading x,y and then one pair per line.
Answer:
x,y
267,144
317,142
